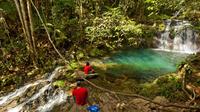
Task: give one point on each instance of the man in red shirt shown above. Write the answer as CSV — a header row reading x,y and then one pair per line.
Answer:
x,y
80,94
88,69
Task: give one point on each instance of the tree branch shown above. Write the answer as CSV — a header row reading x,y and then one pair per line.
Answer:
x,y
61,56
142,97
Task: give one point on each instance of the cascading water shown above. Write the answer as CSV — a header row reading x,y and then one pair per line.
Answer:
x,y
54,100
38,96
18,92
178,39
178,36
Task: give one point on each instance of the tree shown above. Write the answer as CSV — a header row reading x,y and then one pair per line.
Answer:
x,y
113,30
25,15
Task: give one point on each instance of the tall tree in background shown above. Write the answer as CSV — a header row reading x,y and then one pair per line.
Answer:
x,y
25,15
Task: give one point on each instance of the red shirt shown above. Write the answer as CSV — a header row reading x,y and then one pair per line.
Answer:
x,y
81,95
87,69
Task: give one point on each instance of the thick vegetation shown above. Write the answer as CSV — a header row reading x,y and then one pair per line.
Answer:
x,y
80,29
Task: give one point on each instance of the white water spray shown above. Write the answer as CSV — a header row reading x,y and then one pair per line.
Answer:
x,y
178,36
52,100
18,92
56,100
19,107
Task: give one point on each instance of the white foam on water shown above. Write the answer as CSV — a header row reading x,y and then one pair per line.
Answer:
x,y
174,51
56,100
178,36
54,73
35,96
18,92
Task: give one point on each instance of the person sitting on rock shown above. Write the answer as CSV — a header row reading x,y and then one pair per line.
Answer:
x,y
80,95
88,69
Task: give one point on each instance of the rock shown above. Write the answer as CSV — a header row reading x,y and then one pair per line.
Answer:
x,y
192,88
58,73
8,106
161,99
141,104
197,74
158,99
33,72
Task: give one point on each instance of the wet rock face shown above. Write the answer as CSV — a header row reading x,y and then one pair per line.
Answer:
x,y
37,96
24,96
57,73
33,98
179,36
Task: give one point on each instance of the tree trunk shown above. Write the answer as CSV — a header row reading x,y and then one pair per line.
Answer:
x,y
27,26
32,38
21,19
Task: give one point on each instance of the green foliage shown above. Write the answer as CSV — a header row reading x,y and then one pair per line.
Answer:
x,y
59,83
63,21
80,55
96,52
105,27
14,54
112,29
10,79
60,8
163,8
168,86
9,8
128,6
73,65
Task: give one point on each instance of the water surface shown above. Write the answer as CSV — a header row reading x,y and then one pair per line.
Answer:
x,y
144,63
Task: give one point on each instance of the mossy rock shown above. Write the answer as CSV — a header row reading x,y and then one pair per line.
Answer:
x,y
168,86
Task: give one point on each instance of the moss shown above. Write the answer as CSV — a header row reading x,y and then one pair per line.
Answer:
x,y
168,86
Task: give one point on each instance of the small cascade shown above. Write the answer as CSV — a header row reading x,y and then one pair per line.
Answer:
x,y
55,73
55,100
178,36
35,96
39,96
18,92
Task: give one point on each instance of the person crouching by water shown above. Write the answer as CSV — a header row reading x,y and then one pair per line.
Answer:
x,y
88,69
80,95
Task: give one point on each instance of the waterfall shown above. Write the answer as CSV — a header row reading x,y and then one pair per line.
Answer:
x,y
38,96
35,96
178,36
55,100
17,93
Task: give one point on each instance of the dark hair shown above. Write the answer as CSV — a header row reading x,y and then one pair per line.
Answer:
x,y
78,83
87,63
